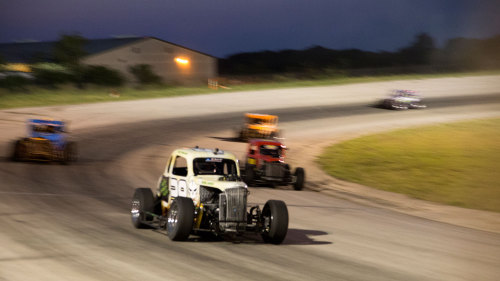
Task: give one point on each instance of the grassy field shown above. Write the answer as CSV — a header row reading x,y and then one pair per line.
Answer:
x,y
36,96
456,164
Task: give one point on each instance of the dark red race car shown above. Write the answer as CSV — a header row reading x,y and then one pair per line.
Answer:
x,y
265,164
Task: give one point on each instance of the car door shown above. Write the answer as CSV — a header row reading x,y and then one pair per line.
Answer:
x,y
163,186
178,177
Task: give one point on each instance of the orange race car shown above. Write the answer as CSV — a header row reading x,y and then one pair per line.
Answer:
x,y
259,126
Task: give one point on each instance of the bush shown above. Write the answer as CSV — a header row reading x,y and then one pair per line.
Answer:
x,y
103,76
51,78
144,75
14,82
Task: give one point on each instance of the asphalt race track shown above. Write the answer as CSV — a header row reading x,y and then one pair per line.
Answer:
x,y
72,222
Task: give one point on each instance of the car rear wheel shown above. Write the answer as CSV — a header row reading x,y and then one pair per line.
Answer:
x,y
249,175
275,221
299,179
19,151
180,219
243,135
142,207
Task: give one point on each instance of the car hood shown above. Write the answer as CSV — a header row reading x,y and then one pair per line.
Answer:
x,y
262,127
216,181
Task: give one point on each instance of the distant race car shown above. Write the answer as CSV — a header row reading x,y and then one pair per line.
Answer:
x,y
258,126
403,99
47,140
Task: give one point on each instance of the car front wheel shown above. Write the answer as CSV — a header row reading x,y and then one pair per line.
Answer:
x,y
180,219
275,221
69,153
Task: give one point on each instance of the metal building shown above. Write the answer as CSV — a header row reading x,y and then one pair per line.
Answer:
x,y
173,63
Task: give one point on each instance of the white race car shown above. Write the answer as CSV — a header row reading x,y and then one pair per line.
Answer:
x,y
403,99
201,191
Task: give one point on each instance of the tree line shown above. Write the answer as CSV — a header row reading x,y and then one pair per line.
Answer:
x,y
421,55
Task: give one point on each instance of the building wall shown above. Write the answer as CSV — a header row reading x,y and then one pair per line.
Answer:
x,y
161,57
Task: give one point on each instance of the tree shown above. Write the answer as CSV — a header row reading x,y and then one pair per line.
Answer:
x,y
69,50
103,76
420,51
424,42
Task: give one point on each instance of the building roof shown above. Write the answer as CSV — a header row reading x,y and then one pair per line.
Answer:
x,y
42,51
30,52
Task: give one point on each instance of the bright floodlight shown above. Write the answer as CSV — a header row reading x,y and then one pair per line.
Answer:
x,y
181,61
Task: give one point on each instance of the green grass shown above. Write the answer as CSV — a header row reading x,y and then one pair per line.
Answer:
x,y
456,164
37,96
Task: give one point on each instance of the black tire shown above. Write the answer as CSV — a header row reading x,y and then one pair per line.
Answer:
x,y
300,177
287,178
180,219
69,153
275,221
18,151
142,207
244,135
249,175
386,104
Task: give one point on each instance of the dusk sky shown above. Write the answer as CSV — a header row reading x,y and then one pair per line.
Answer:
x,y
224,27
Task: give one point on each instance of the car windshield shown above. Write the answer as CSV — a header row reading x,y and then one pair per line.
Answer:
x,y
46,128
261,121
270,150
214,166
256,121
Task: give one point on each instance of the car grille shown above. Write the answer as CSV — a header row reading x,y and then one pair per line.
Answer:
x,y
39,146
233,208
275,170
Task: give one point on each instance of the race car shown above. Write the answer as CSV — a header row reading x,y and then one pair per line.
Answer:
x,y
201,192
47,140
259,126
403,99
265,163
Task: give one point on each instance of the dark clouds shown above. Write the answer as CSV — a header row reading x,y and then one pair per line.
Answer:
x,y
222,27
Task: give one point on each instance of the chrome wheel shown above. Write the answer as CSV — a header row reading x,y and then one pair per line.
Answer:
x,y
180,219
142,207
136,210
172,218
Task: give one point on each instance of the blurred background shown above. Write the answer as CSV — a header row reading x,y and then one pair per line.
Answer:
x,y
158,42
